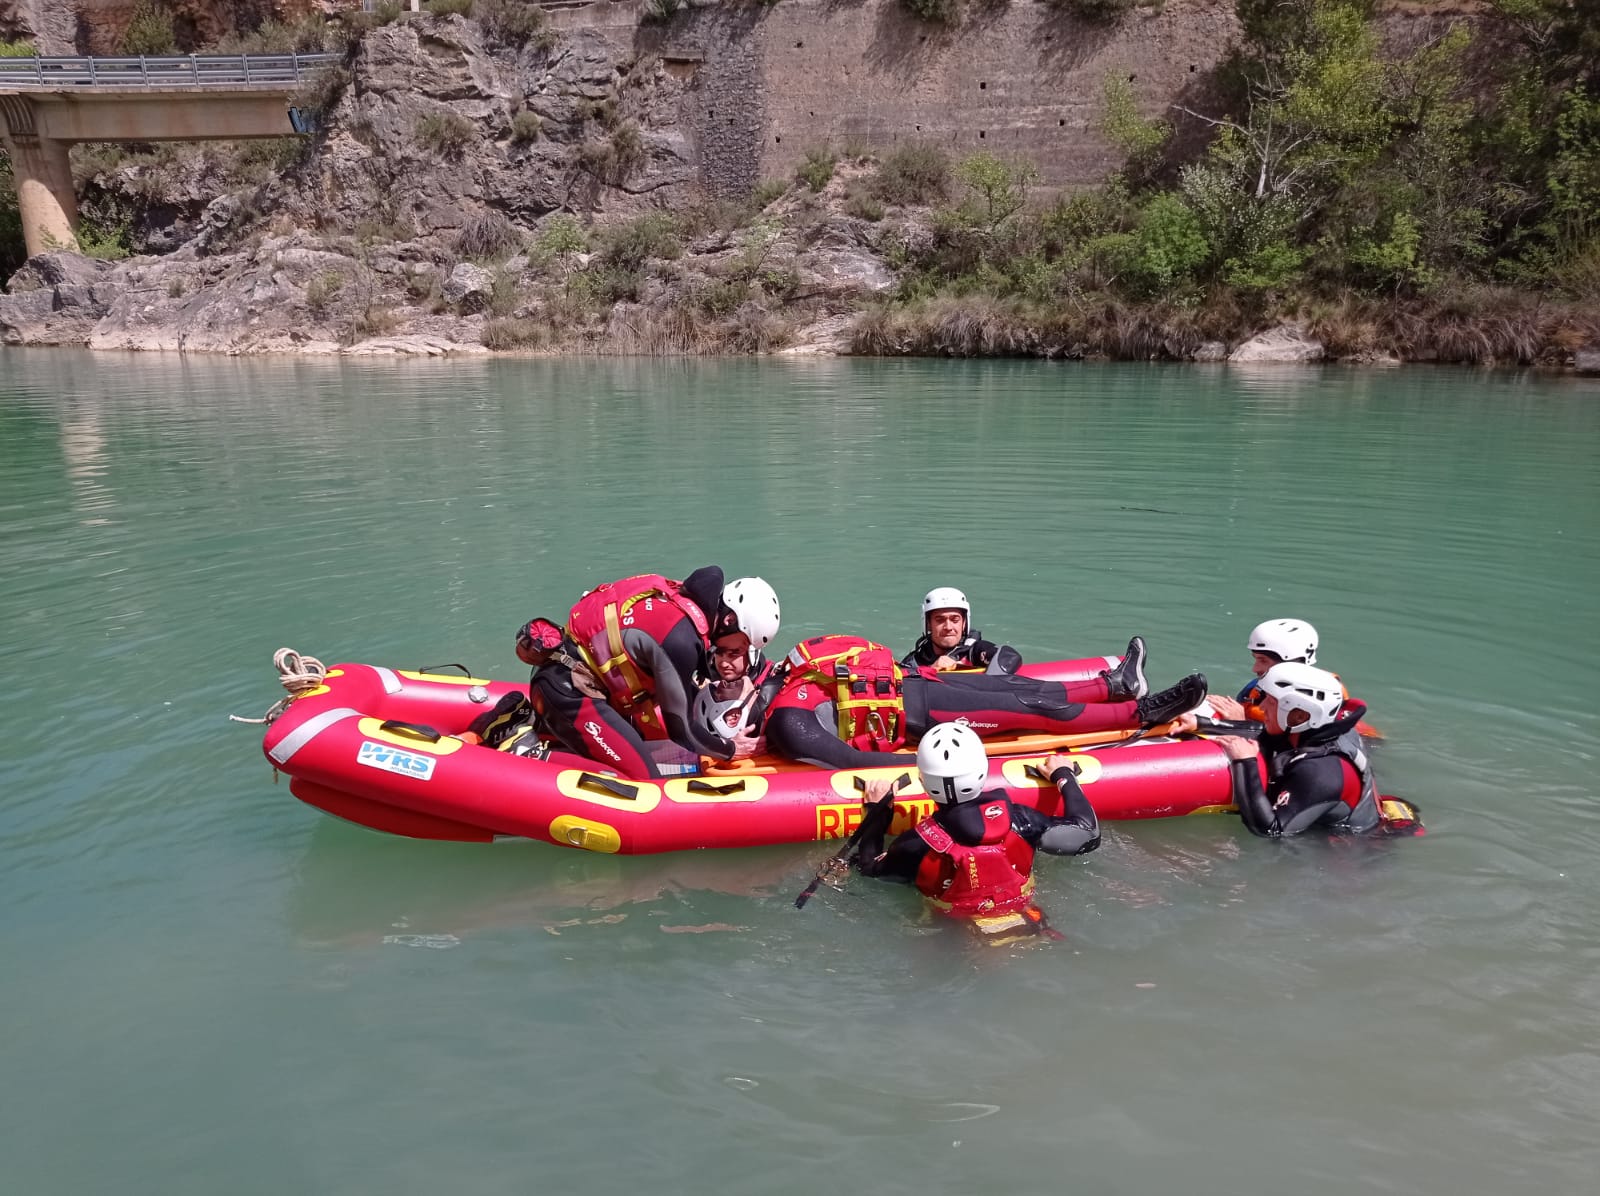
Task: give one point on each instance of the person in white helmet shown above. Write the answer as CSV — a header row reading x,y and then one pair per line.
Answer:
x,y
949,641
973,856
1275,642
1309,770
739,679
622,688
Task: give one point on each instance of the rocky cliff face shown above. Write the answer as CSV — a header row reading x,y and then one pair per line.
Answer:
x,y
413,223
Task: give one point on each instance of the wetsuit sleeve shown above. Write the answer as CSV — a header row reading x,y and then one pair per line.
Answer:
x,y
673,664
1006,659
1310,791
902,858
1078,829
982,652
799,735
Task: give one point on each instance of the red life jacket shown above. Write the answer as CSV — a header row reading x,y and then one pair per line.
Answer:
x,y
994,876
863,680
596,625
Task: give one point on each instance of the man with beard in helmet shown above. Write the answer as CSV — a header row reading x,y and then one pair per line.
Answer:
x,y
1317,774
621,686
973,856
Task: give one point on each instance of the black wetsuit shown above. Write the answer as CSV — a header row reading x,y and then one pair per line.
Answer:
x,y
972,652
1074,833
1318,786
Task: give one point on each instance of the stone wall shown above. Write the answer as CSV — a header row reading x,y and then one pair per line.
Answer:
x,y
1018,78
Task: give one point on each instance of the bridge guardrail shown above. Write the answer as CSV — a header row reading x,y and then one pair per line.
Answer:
x,y
189,70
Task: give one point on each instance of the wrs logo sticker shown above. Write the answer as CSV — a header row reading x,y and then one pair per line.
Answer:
x,y
393,759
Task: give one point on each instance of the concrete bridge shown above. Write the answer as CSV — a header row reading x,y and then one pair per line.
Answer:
x,y
49,103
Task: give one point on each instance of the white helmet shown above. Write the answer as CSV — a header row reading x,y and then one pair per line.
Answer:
x,y
755,606
1287,639
945,598
952,762
1301,687
711,716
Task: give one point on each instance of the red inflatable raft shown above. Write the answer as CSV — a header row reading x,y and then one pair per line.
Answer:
x,y
378,747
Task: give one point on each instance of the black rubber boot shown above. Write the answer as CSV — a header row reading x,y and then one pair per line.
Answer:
x,y
1169,703
1127,679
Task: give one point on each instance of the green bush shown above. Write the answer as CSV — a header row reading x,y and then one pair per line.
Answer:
x,y
12,247
939,12
309,35
615,157
149,30
487,237
444,132
862,204
1100,11
17,49
515,334
631,245
661,10
816,171
561,234
513,23
917,173
525,127
768,192
446,8
321,92
322,290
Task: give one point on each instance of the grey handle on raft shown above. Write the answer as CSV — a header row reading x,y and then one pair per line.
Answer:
x,y
1243,728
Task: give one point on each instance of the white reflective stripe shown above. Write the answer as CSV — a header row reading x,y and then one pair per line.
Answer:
x,y
307,731
1112,661
391,683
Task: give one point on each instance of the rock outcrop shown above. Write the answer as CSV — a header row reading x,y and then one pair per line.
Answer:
x,y
412,223
1285,344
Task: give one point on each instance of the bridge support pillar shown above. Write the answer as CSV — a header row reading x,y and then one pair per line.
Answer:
x,y
46,200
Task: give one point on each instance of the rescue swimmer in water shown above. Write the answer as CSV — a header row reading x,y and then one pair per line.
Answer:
x,y
1318,775
973,856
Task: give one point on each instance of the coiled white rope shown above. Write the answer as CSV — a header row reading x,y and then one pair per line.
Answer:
x,y
298,673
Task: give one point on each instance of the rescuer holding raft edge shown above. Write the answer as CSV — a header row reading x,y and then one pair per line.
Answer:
x,y
1317,773
973,856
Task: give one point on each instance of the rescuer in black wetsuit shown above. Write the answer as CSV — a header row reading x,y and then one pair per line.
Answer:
x,y
1318,774
948,641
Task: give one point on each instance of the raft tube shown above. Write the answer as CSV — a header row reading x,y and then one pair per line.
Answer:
x,y
379,747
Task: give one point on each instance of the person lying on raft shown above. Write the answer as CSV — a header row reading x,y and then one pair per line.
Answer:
x,y
625,674
740,682
948,641
845,701
1317,775
973,856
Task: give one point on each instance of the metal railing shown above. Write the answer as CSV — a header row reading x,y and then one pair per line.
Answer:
x,y
189,70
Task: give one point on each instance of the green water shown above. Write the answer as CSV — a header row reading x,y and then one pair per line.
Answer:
x,y
208,987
